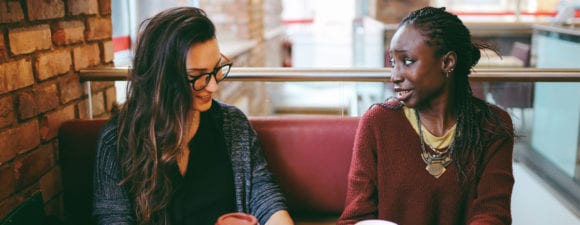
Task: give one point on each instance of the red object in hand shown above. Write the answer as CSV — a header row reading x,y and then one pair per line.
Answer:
x,y
237,218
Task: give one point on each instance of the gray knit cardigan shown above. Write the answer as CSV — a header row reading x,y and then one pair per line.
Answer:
x,y
255,189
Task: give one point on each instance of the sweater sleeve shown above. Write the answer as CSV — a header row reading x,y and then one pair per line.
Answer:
x,y
258,193
361,198
111,202
492,204
266,197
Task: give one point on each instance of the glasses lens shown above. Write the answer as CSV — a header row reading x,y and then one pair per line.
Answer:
x,y
222,72
201,82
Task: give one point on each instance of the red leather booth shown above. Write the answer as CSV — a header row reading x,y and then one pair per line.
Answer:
x,y
310,157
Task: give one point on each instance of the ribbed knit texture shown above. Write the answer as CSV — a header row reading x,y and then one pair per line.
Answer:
x,y
256,191
388,180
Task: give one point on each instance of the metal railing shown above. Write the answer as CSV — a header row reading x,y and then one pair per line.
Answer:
x,y
281,74
353,74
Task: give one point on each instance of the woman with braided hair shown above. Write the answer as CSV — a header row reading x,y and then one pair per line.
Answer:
x,y
434,154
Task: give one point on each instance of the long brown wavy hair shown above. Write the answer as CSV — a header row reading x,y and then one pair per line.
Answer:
x,y
151,124
446,32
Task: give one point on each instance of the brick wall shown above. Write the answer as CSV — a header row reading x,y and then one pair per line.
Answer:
x,y
243,20
43,45
249,20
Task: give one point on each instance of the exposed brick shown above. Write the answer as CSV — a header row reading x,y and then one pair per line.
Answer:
x,y
39,99
70,88
99,28
98,105
27,106
87,7
110,98
100,85
11,12
52,121
7,205
69,32
7,181
83,108
86,56
52,64
7,115
2,45
32,166
108,51
51,183
29,39
44,128
105,7
46,97
14,75
27,192
19,139
45,9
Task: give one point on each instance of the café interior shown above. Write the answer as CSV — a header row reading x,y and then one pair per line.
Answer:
x,y
297,59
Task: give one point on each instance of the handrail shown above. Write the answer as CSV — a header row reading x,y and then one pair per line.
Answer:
x,y
282,74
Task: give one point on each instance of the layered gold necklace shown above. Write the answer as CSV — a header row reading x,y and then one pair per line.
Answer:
x,y
436,162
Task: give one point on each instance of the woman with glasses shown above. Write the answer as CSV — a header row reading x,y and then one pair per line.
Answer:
x,y
434,153
172,154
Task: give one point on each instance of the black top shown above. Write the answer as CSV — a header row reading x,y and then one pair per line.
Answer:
x,y
206,191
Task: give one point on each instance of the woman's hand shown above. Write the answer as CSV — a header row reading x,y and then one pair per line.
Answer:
x,y
281,217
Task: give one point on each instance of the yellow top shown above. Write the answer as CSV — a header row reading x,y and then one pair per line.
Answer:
x,y
431,140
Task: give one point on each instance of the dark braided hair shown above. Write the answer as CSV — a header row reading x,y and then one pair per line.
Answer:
x,y
445,32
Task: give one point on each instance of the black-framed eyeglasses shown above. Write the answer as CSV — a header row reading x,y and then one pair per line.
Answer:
x,y
199,82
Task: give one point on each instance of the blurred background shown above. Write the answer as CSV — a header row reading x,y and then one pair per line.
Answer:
x,y
67,59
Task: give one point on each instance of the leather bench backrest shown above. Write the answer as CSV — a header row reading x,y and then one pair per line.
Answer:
x,y
77,140
310,157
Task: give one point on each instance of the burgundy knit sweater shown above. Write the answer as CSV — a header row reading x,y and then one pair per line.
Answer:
x,y
388,180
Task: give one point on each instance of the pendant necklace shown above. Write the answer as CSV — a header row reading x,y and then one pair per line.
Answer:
x,y
437,162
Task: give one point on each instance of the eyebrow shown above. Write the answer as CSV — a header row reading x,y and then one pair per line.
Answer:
x,y
204,69
399,51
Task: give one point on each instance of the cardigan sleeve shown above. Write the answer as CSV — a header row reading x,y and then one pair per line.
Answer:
x,y
111,202
262,195
361,198
494,189
266,198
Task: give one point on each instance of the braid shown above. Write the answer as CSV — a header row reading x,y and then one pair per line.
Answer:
x,y
445,32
